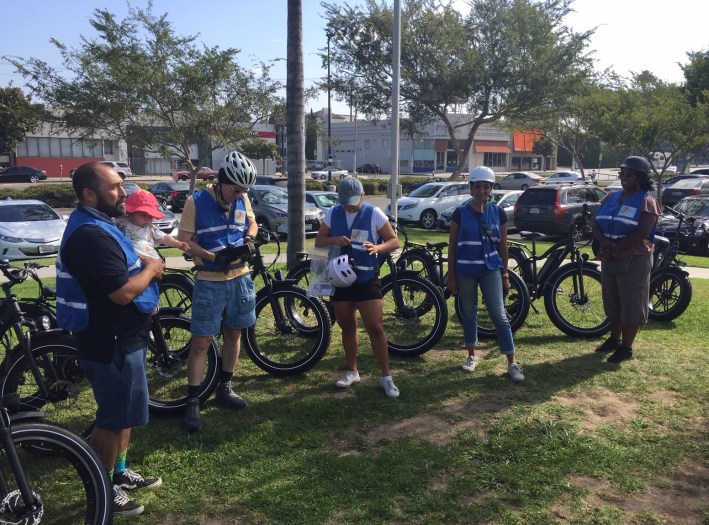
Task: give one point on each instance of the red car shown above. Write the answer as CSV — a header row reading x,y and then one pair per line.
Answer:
x,y
204,173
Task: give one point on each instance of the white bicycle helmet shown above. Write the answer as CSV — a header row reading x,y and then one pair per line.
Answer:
x,y
340,272
238,170
481,174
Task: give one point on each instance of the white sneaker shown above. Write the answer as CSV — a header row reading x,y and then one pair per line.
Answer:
x,y
470,363
387,383
347,379
515,372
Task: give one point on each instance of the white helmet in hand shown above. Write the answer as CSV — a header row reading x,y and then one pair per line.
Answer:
x,y
481,174
340,272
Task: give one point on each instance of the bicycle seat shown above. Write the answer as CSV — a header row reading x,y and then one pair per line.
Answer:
x,y
528,236
436,245
661,243
49,291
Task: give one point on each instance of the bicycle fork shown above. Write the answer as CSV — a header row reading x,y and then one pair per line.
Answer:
x,y
31,503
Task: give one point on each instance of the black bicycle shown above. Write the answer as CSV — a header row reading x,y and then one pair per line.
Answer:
x,y
48,474
572,292
670,286
43,365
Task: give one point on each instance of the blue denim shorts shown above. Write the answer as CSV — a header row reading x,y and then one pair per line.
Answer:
x,y
232,301
121,390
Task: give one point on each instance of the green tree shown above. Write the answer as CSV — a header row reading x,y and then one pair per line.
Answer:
x,y
18,117
696,75
259,149
161,92
504,60
647,115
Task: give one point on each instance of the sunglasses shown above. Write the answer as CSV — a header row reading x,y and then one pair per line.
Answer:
x,y
237,190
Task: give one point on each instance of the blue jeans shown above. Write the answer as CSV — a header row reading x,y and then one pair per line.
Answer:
x,y
490,284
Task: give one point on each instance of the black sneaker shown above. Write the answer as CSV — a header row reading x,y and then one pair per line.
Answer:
x,y
124,506
620,355
192,421
129,480
609,345
227,396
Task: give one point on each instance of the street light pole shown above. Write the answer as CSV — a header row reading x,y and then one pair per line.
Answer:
x,y
329,116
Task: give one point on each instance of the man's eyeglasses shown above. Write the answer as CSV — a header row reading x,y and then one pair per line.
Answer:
x,y
626,173
237,190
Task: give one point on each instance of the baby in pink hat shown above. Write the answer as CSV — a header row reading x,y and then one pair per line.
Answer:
x,y
142,208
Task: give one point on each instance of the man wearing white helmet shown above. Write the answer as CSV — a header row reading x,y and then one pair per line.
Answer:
x,y
213,222
477,257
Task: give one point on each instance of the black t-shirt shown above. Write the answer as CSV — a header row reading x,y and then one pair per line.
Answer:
x,y
97,261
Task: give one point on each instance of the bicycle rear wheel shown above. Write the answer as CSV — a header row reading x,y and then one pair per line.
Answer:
x,y
70,481
516,304
414,325
301,275
420,262
670,295
574,301
176,292
291,334
70,402
167,370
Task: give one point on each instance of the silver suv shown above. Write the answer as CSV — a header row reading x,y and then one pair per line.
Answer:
x,y
122,168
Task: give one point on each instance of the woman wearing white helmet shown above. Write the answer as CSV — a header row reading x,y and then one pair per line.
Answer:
x,y
214,220
363,231
477,257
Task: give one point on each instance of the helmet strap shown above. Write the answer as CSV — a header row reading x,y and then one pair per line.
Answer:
x,y
221,201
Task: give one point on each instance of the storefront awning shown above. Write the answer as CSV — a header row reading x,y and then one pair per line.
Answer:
x,y
491,146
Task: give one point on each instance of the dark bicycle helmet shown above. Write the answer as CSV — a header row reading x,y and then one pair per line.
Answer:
x,y
237,169
637,164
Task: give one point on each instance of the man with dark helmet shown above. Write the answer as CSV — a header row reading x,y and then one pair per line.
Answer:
x,y
214,221
624,226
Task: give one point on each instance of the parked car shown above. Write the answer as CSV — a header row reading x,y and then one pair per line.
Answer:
x,y
169,222
271,180
322,199
561,177
22,174
552,209
323,174
203,173
697,207
369,168
315,165
29,229
684,188
172,193
417,185
506,199
700,171
614,186
672,180
130,187
519,180
424,204
270,205
122,168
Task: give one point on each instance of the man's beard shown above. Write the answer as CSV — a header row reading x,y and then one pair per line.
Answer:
x,y
116,209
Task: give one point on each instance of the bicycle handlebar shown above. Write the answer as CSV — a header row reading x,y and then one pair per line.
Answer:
x,y
20,275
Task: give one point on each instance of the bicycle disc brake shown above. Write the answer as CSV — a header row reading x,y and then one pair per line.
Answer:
x,y
14,512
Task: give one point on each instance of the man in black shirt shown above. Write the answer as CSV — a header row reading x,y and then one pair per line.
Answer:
x,y
105,293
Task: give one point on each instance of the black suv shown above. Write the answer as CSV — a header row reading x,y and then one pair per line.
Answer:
x,y
553,209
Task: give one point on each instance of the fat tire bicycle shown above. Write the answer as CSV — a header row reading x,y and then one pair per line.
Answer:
x,y
48,474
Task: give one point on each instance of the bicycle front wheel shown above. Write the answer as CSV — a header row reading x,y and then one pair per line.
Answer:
x,y
516,305
70,481
420,262
670,295
291,334
574,301
70,401
416,322
176,292
166,368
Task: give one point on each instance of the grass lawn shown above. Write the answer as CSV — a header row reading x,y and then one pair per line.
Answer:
x,y
580,441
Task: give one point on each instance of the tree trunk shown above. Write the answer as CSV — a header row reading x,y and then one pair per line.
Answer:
x,y
295,122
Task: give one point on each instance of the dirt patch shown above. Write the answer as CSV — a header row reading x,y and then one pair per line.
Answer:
x,y
600,407
680,497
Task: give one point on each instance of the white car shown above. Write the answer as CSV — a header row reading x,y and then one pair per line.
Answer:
x,y
561,177
29,229
322,174
506,199
424,204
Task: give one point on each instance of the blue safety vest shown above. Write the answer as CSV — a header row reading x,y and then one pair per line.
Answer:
x,y
366,265
618,220
476,247
72,306
215,229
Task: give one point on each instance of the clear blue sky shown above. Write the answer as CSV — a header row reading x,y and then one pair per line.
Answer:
x,y
632,35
